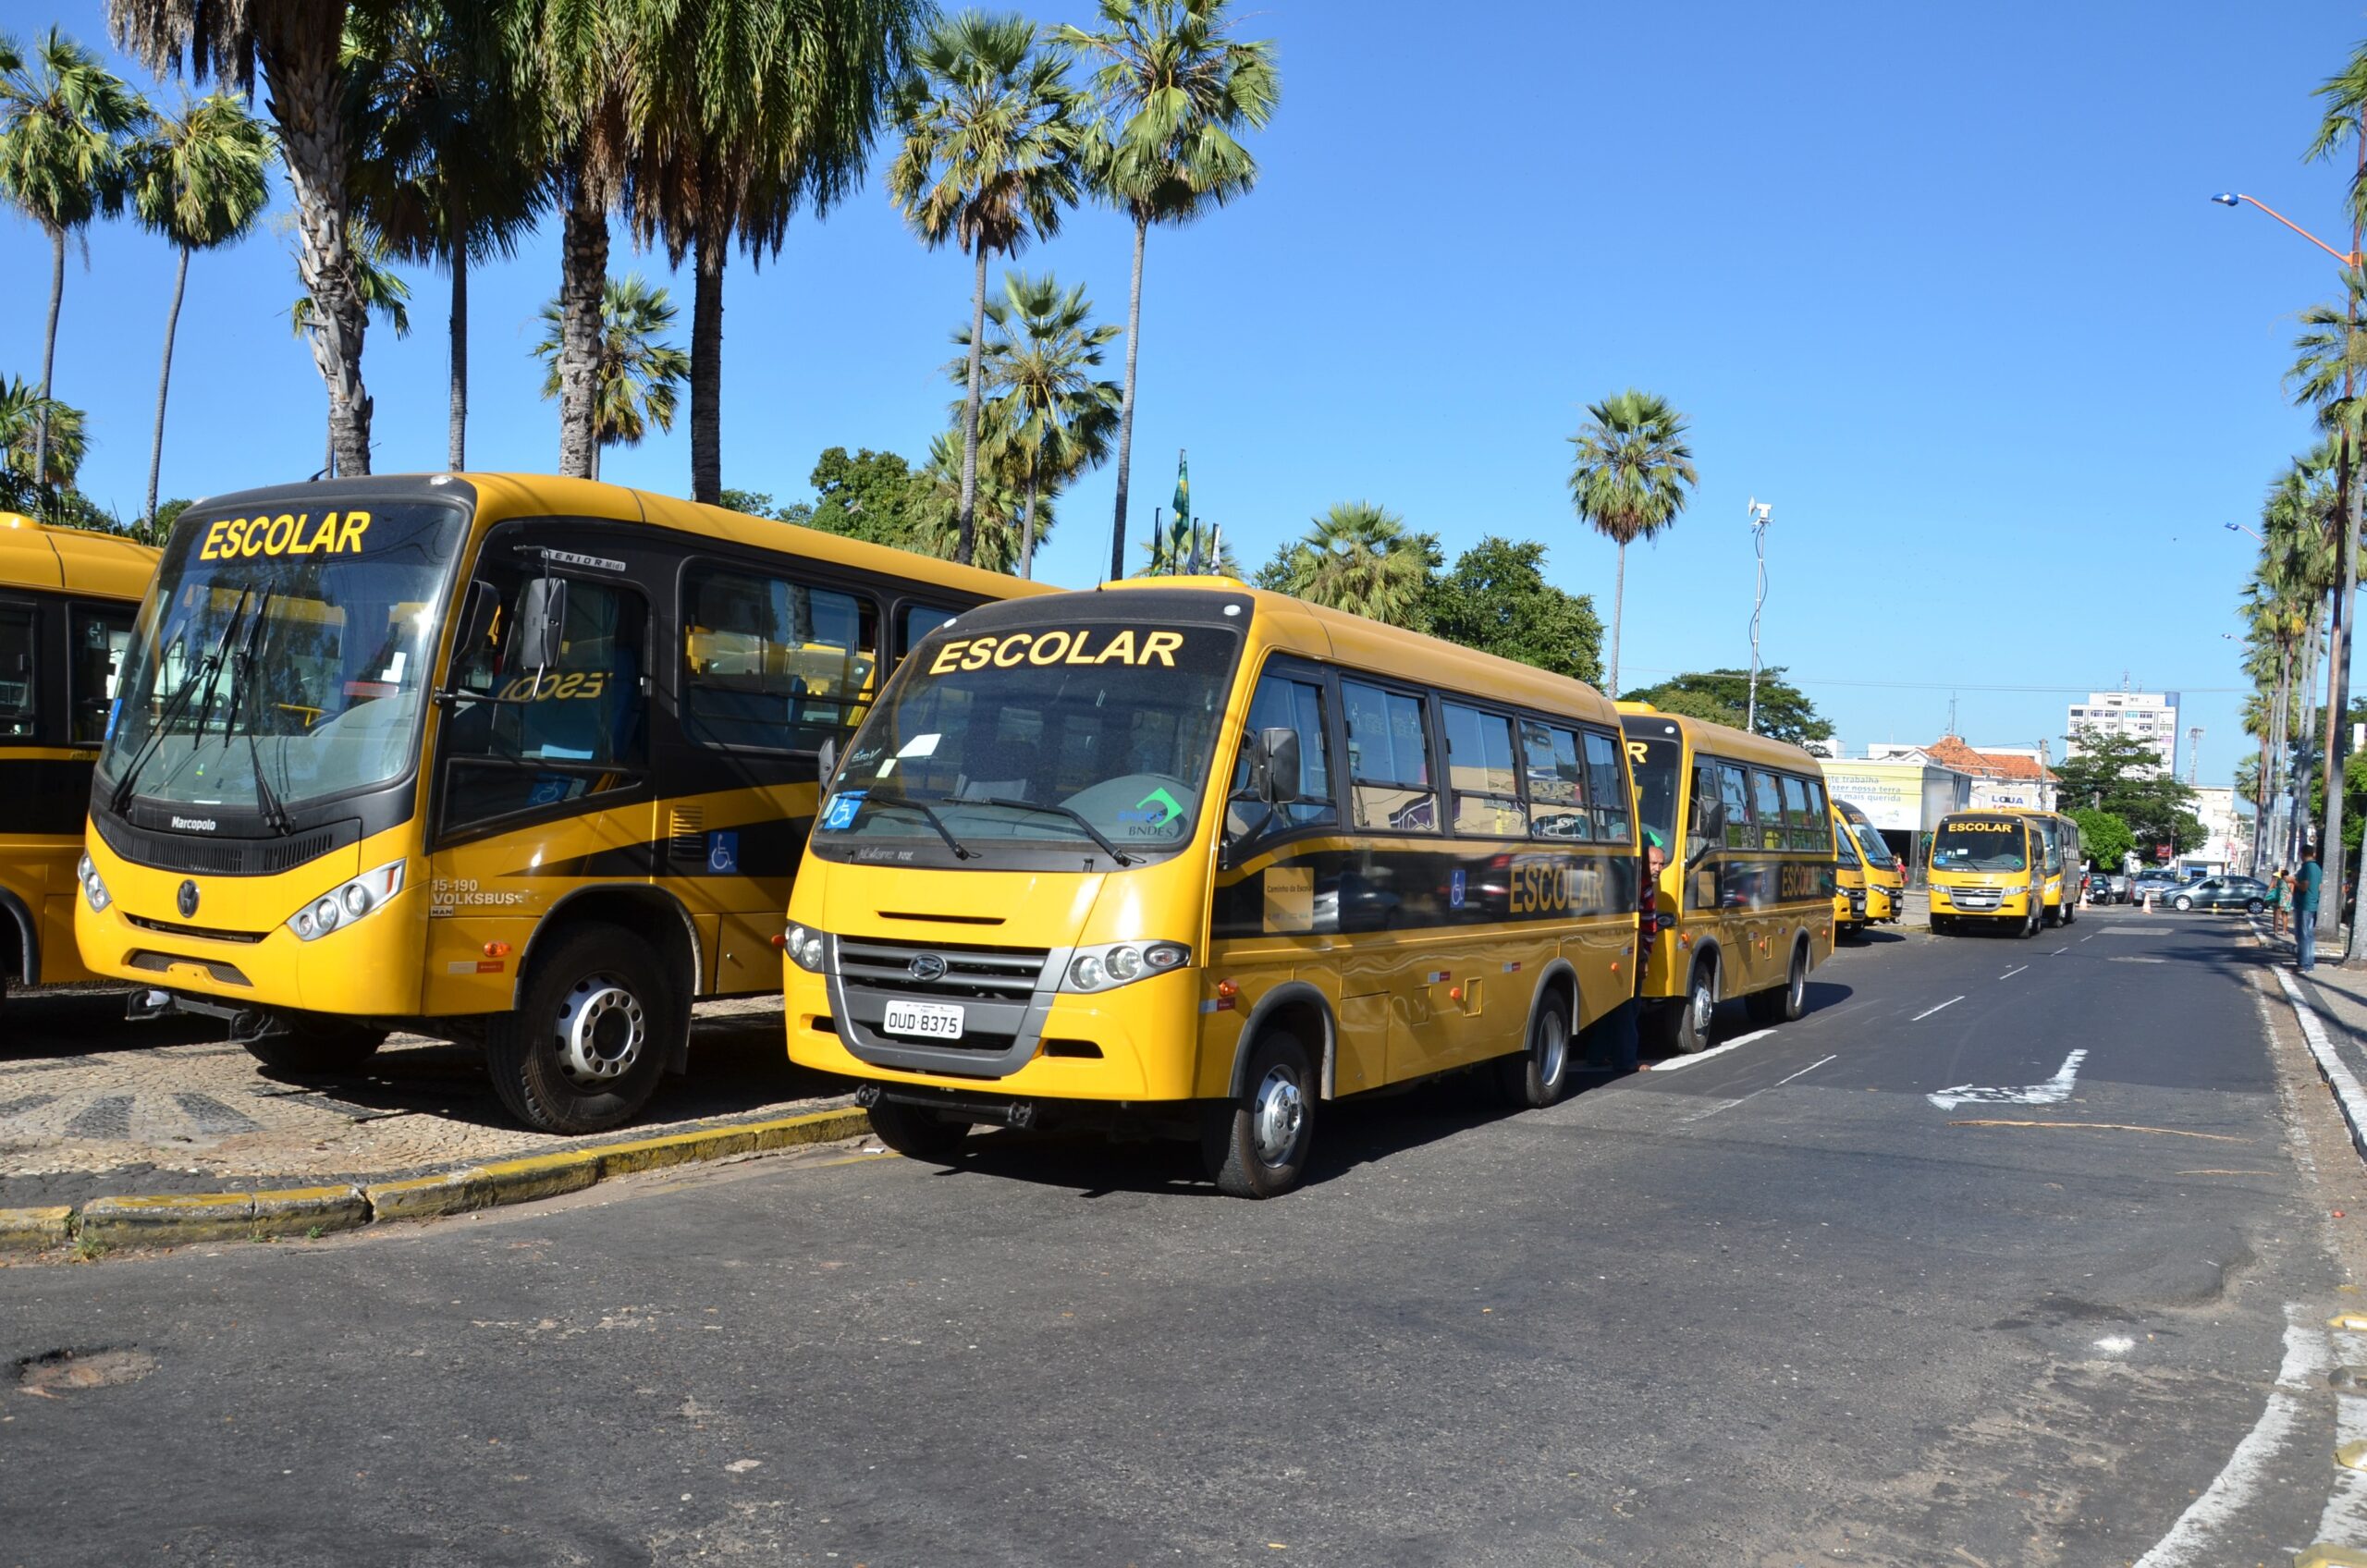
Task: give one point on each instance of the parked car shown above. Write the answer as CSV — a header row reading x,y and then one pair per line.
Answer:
x,y
2247,893
2160,884
2107,888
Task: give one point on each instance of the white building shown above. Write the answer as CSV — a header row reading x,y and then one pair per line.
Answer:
x,y
2149,717
2228,845
1905,797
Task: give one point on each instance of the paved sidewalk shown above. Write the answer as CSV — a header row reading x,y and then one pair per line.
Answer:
x,y
2339,994
91,1104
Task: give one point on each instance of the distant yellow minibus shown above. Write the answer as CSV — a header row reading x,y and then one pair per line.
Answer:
x,y
67,600
1987,870
1746,903
2062,862
1850,908
1201,858
1885,888
515,759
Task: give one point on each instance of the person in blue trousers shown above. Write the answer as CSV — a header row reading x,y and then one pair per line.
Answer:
x,y
2305,915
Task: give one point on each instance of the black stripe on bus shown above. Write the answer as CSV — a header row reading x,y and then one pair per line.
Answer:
x,y
1323,888
45,795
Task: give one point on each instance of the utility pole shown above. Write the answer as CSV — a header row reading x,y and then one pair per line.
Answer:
x,y
1759,512
2193,753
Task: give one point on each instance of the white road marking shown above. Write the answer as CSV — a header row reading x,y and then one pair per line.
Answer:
x,y
2055,1091
1804,1072
2248,1466
1929,1010
2115,1344
1672,1063
2011,973
2089,938
2065,949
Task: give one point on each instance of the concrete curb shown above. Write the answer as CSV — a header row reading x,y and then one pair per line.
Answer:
x,y
177,1219
2349,1096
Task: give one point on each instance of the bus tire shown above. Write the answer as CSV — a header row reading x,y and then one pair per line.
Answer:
x,y
585,1047
918,1132
1535,1078
1688,1027
309,1046
1791,1003
1257,1147
2030,924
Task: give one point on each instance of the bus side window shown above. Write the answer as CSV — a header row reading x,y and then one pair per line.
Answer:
x,y
1280,703
1733,794
1767,803
772,663
1480,771
1557,799
1389,760
916,621
1797,808
1701,833
1607,788
100,639
18,710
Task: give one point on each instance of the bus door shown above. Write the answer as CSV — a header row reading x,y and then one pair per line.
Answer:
x,y
1393,875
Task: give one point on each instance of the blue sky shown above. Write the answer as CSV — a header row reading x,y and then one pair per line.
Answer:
x,y
1940,283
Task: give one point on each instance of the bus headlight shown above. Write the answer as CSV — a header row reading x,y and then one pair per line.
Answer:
x,y
1117,963
342,906
804,948
94,886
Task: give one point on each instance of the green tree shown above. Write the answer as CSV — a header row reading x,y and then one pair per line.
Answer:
x,y
442,169
636,376
295,45
197,179
1630,479
1045,417
1175,90
759,503
757,107
1361,559
2104,838
989,158
2124,775
25,415
999,510
1497,600
870,495
63,117
1723,696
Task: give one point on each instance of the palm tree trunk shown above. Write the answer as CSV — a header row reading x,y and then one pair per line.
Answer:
x,y
1126,405
2296,771
706,364
584,272
1027,527
964,549
163,384
1618,609
307,99
48,358
456,436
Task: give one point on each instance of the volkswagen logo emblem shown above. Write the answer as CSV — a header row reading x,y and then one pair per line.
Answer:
x,y
186,900
926,966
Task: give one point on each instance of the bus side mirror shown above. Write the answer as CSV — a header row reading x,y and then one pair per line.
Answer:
x,y
1273,766
827,760
542,619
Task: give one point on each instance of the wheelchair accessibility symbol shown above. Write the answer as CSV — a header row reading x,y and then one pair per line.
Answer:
x,y
723,853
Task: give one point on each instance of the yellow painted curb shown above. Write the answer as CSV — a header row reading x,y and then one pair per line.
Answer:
x,y
2354,1321
2352,1456
169,1218
290,1212
34,1230
2323,1556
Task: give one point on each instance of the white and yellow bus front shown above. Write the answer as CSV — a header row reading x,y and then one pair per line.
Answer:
x,y
1986,871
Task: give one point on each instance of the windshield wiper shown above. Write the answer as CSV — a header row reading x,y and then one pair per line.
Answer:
x,y
275,813
1090,831
927,815
173,705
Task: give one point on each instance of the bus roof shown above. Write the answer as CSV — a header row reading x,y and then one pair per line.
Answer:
x,y
1721,740
78,560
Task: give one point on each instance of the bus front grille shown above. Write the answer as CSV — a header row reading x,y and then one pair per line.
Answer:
x,y
951,973
1974,899
1004,995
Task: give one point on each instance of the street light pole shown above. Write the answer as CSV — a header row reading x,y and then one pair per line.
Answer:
x,y
1759,512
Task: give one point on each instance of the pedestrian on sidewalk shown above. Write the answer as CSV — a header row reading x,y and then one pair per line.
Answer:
x,y
2277,902
2305,913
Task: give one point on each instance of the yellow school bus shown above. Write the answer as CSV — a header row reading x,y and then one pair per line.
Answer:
x,y
1207,858
1745,903
511,758
2062,862
67,600
1885,888
1850,907
1987,869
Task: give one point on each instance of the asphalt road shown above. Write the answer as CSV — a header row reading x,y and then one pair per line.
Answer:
x,y
1774,1306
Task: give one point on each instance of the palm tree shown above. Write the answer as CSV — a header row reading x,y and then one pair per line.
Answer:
x,y
63,119
636,376
1630,479
30,465
383,295
1044,417
989,158
735,152
295,45
583,66
1175,88
1357,557
442,169
1003,532
2300,562
197,179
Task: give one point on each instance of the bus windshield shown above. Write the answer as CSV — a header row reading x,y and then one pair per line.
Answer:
x,y
295,647
1869,838
1096,737
1977,846
1656,764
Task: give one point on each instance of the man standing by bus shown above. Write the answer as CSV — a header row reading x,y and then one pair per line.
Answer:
x,y
2305,913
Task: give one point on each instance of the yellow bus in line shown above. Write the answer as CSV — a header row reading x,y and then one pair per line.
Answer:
x,y
518,759
1207,858
2064,865
1987,868
1885,884
67,600
1850,907
1745,903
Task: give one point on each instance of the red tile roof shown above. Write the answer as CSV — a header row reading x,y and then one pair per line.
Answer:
x,y
1950,751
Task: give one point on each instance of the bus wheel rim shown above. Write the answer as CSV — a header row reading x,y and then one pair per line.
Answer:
x,y
1555,1041
1800,984
1276,1116
1703,1006
602,1033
